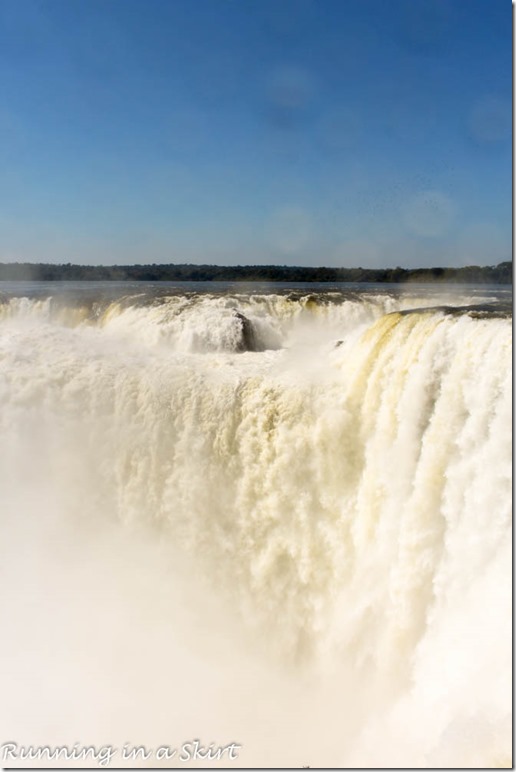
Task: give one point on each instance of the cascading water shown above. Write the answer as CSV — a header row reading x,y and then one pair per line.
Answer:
x,y
276,519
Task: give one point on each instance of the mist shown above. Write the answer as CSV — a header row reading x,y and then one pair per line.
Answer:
x,y
302,550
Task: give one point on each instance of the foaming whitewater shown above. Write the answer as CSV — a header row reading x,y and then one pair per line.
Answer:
x,y
276,519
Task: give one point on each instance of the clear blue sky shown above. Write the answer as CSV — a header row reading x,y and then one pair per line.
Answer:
x,y
309,132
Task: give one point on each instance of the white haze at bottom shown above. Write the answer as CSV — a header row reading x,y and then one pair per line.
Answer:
x,y
305,549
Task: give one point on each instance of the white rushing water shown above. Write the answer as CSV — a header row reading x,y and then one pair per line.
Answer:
x,y
281,521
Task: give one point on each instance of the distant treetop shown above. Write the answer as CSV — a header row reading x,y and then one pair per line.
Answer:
x,y
499,274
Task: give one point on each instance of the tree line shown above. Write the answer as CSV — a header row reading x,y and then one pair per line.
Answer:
x,y
497,274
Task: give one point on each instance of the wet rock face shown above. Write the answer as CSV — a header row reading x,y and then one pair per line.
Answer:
x,y
248,340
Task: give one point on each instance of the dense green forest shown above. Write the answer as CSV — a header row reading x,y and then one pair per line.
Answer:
x,y
499,274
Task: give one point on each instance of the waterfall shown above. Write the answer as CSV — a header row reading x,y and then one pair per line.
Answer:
x,y
318,484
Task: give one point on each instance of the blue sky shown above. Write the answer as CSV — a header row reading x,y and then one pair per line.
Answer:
x,y
308,132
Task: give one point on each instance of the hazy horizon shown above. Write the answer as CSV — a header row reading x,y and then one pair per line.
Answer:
x,y
308,266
